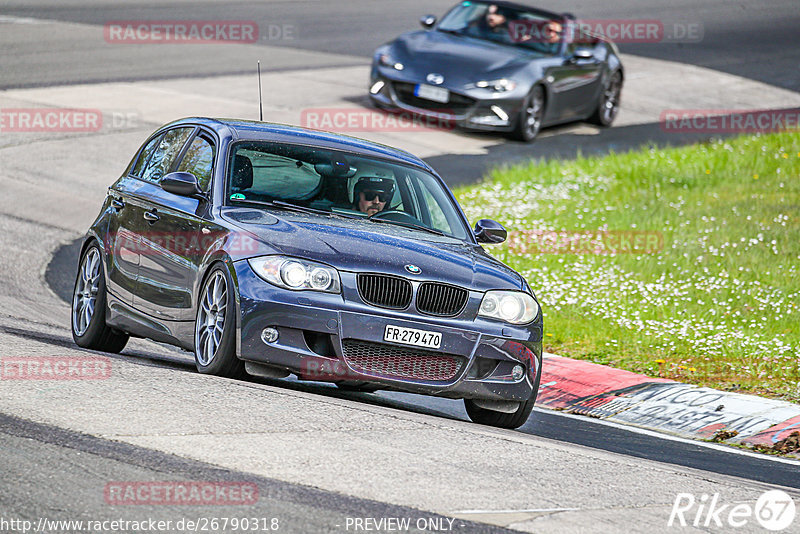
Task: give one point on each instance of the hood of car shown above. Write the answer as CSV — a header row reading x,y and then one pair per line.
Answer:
x,y
459,59
362,246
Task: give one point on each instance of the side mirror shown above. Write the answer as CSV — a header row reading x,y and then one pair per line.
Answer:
x,y
427,21
489,231
184,184
582,53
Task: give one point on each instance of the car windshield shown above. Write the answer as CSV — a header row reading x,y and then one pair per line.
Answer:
x,y
338,183
500,23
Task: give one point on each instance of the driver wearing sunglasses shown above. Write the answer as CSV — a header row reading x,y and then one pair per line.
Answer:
x,y
371,194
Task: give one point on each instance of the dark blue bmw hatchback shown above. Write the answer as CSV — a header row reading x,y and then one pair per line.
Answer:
x,y
268,250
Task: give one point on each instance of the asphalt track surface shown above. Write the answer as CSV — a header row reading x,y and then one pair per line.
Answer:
x,y
38,457
744,38
87,462
543,423
748,38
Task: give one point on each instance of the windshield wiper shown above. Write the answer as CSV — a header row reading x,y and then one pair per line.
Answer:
x,y
307,209
291,207
409,225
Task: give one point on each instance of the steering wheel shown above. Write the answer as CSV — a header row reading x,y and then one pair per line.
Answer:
x,y
396,215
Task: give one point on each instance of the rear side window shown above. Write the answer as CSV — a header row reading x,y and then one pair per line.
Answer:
x,y
145,155
164,156
435,218
199,160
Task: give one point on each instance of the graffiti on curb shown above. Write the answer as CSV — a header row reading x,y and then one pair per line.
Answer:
x,y
696,412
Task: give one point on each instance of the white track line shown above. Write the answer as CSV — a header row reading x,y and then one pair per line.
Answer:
x,y
524,511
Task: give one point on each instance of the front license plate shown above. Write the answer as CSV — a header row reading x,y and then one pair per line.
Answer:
x,y
429,92
411,336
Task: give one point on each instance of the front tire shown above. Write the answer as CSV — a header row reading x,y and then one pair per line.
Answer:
x,y
530,118
215,328
89,299
357,387
608,107
482,416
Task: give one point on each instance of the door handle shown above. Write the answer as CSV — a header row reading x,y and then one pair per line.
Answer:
x,y
151,216
117,203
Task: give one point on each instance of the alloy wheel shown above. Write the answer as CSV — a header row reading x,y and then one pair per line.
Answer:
x,y
84,300
210,323
533,113
611,97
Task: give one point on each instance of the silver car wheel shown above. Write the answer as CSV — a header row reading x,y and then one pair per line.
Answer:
x,y
84,300
534,109
611,99
210,323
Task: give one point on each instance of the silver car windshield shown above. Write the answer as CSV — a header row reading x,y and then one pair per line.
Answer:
x,y
502,24
339,183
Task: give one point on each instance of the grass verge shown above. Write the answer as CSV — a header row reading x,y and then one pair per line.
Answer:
x,y
681,263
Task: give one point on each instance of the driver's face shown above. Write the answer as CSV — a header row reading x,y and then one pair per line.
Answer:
x,y
552,31
370,202
493,18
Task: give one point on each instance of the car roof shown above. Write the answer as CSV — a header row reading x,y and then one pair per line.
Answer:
x,y
240,129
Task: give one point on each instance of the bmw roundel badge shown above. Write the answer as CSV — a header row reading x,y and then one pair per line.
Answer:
x,y
413,269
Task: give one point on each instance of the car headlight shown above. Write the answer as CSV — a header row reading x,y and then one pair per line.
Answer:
x,y
513,307
388,61
296,274
498,86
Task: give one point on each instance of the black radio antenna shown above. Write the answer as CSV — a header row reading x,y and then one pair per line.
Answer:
x,y
260,107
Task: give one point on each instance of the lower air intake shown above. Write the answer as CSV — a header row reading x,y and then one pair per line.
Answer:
x,y
395,362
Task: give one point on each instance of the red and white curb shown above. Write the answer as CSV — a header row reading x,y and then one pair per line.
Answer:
x,y
684,410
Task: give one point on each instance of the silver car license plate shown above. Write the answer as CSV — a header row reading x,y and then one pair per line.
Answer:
x,y
429,92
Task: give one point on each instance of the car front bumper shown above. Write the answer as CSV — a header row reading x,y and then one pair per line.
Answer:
x,y
339,338
475,109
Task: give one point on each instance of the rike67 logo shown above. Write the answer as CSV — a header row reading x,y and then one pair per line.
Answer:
x,y
774,510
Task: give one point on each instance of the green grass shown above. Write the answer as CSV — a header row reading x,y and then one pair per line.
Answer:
x,y
718,305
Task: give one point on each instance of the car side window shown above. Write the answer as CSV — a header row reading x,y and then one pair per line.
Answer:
x,y
145,155
438,218
199,160
164,156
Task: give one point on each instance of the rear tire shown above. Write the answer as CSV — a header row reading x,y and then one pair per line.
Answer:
x,y
215,328
89,301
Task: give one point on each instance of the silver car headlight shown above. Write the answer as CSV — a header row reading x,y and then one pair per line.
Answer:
x,y
513,307
502,85
296,274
